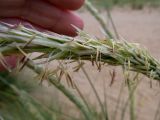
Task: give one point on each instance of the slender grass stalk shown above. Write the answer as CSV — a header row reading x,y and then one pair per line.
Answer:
x,y
132,100
118,102
157,114
112,23
105,98
96,94
95,13
83,98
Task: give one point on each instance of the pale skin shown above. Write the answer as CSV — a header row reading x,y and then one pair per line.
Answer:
x,y
53,15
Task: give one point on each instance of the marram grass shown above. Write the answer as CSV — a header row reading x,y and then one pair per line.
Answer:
x,y
131,56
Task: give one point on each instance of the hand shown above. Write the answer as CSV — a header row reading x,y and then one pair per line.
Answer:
x,y
53,15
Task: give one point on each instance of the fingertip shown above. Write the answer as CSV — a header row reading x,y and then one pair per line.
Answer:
x,y
76,4
76,22
79,24
67,27
68,4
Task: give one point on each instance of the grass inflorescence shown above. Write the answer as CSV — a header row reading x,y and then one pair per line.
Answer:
x,y
130,56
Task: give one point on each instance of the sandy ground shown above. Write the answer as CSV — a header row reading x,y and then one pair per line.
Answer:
x,y
136,26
